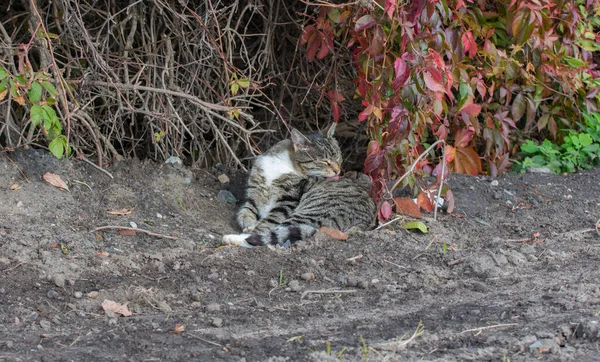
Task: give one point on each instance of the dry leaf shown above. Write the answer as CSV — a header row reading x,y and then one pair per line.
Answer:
x,y
54,245
99,237
116,307
334,233
424,202
102,253
406,205
126,232
179,327
122,212
15,187
55,180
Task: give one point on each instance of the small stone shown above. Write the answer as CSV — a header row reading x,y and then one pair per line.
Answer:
x,y
133,224
494,183
92,295
45,324
52,294
226,196
375,281
250,273
273,283
59,280
308,276
217,322
174,160
294,285
541,170
352,281
20,204
78,295
159,215
110,314
223,179
31,317
9,344
363,284
213,307
213,276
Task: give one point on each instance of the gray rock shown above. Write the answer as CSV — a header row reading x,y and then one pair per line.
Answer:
x,y
213,276
494,183
174,160
213,307
45,324
217,322
59,280
308,276
52,294
294,285
223,179
226,196
273,283
78,295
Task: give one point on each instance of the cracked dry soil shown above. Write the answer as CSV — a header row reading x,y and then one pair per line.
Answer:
x,y
488,294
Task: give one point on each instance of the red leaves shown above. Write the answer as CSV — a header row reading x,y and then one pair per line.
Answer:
x,y
431,83
319,41
406,205
465,160
469,44
385,211
365,22
402,72
335,98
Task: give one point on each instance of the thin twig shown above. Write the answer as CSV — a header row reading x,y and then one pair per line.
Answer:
x,y
480,329
14,267
389,222
206,341
327,291
133,229
97,167
18,168
398,265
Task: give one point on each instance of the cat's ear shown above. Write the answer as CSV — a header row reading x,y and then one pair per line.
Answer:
x,y
299,140
331,130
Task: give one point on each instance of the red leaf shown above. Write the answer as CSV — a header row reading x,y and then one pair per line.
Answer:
x,y
312,46
449,201
431,83
307,34
464,136
364,114
334,233
365,22
406,205
373,162
385,211
437,59
324,50
376,44
467,161
469,44
424,202
126,232
390,7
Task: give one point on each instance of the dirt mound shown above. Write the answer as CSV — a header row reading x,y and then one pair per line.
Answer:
x,y
482,283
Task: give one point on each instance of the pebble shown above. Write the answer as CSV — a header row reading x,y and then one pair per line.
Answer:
x,y
295,286
213,276
250,273
158,215
213,307
217,322
223,179
9,344
174,160
273,283
308,276
78,295
52,294
92,295
226,196
494,183
59,280
45,324
133,224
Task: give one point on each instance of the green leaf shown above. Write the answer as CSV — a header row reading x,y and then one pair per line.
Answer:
x,y
36,115
244,82
574,62
529,147
3,73
35,93
20,79
234,88
416,225
49,87
57,147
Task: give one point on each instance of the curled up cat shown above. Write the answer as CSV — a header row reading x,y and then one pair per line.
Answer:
x,y
293,190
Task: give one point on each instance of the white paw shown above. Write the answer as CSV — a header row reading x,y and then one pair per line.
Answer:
x,y
249,229
237,239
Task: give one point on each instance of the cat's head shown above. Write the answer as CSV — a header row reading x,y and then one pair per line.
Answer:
x,y
317,154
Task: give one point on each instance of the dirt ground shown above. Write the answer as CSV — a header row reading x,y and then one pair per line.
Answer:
x,y
479,283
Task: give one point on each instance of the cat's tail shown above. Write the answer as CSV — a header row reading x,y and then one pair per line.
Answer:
x,y
278,236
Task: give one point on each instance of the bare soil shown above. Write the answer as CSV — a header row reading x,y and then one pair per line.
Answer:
x,y
482,286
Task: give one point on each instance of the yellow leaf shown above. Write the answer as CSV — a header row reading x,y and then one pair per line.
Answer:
x,y
55,180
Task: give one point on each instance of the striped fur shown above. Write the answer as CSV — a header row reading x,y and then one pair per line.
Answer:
x,y
290,194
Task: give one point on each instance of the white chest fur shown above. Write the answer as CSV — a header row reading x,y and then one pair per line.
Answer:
x,y
273,167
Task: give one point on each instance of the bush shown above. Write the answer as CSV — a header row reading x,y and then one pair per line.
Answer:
x,y
482,76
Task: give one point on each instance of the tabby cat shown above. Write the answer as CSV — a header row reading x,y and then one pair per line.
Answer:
x,y
293,190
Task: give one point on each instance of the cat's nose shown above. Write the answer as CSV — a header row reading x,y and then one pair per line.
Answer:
x,y
335,168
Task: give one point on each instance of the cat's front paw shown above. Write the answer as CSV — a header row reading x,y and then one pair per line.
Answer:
x,y
238,240
247,222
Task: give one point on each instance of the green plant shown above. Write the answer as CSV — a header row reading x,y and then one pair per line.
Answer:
x,y
579,150
482,76
36,92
